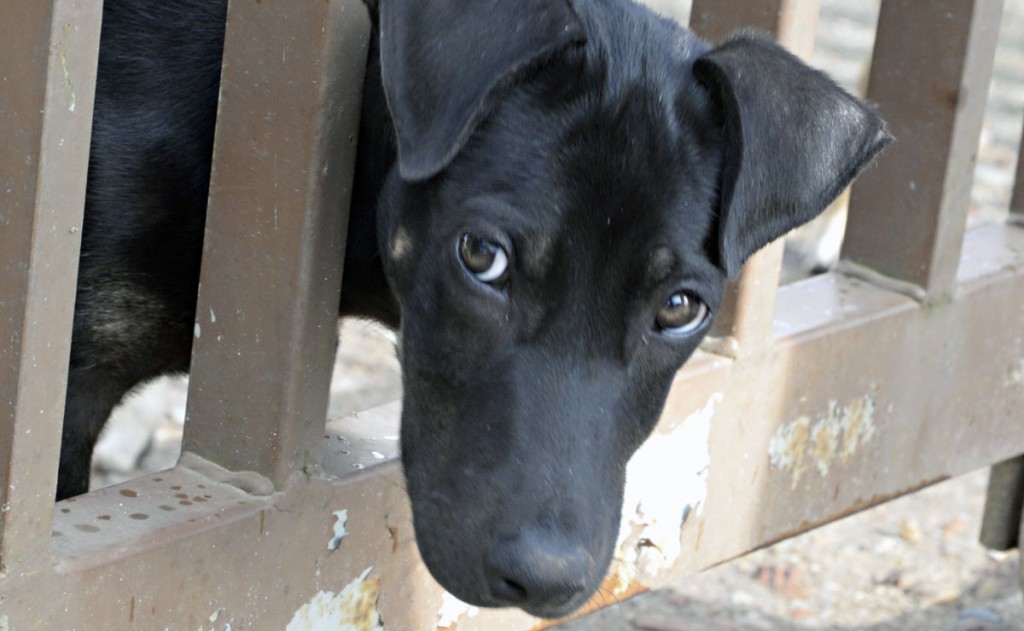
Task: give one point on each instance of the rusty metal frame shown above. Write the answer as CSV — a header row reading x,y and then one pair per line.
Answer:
x,y
853,390
930,72
48,55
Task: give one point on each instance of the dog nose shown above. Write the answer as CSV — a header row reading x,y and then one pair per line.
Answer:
x,y
539,572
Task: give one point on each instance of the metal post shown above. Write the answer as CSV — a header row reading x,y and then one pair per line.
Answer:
x,y
48,57
745,320
930,74
266,324
1000,526
1017,200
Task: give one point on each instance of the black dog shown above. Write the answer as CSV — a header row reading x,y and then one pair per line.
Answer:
x,y
551,195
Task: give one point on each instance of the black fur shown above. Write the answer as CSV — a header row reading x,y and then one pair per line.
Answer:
x,y
618,161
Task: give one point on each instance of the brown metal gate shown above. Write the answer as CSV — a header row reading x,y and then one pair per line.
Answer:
x,y
816,400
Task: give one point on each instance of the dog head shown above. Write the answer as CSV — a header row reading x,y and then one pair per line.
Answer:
x,y
575,184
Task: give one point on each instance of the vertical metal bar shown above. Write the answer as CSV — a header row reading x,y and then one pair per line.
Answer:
x,y
1004,501
266,323
929,75
48,57
1017,199
745,319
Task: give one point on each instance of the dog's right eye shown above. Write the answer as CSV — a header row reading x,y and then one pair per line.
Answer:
x,y
682,314
484,259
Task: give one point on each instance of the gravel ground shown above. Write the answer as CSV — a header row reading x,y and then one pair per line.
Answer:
x,y
911,564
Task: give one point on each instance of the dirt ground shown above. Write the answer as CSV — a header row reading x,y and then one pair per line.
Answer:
x,y
911,564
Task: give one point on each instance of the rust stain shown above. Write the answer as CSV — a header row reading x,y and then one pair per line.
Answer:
x,y
824,441
263,515
354,608
606,596
858,425
131,611
788,446
834,436
129,493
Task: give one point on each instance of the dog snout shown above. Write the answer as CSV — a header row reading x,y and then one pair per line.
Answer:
x,y
545,573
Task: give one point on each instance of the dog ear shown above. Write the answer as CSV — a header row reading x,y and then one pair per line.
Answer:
x,y
441,60
373,8
793,141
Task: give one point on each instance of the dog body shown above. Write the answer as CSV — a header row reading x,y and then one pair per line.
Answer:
x,y
549,200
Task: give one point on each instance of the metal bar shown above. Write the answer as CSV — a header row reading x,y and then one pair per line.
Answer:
x,y
1000,526
1017,199
791,443
930,74
266,325
744,321
48,55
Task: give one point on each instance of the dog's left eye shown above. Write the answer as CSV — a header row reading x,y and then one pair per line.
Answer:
x,y
484,259
682,314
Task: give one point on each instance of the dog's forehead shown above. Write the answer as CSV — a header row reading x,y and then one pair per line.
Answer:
x,y
611,146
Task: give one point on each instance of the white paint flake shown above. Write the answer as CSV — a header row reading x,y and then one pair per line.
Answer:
x,y
354,609
1016,376
341,517
666,483
452,610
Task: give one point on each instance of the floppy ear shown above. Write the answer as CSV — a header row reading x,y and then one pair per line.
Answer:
x,y
374,10
441,60
793,141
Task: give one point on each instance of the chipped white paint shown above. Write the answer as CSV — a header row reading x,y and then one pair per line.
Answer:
x,y
213,316
354,609
72,100
1016,377
452,610
833,437
341,517
377,455
198,331
5,623
666,483
214,617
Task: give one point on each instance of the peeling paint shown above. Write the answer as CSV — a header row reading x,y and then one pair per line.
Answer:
x,y
452,610
214,618
666,483
354,609
834,436
5,623
1016,376
788,445
341,517
67,79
